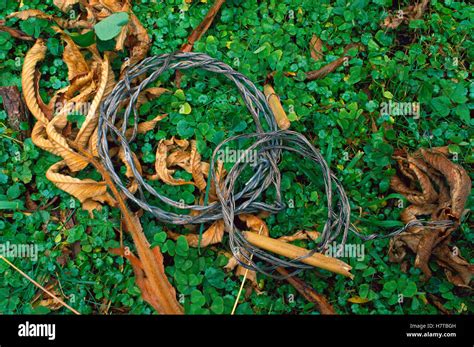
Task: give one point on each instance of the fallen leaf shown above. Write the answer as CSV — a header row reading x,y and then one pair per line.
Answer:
x,y
196,171
325,70
358,300
32,58
162,171
210,236
321,303
74,160
444,188
65,5
315,46
92,117
81,189
300,235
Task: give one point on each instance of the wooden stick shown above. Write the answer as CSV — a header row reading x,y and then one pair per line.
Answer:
x,y
293,252
275,105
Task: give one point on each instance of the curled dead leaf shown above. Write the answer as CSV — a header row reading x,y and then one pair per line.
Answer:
x,y
31,13
255,224
456,176
81,189
211,236
144,127
75,161
32,58
92,117
162,171
444,189
196,171
300,235
65,5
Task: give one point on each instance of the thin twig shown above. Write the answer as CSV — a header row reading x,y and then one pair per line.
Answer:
x,y
243,281
39,285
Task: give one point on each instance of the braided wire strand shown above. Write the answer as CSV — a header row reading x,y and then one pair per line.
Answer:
x,y
268,142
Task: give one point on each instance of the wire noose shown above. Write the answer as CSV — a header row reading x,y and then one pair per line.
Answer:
x,y
268,144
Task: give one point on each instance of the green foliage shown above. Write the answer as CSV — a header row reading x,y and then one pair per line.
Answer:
x,y
111,26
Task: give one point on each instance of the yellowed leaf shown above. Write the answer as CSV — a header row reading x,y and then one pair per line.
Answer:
x,y
196,167
133,186
211,236
93,143
358,300
179,158
25,14
81,189
162,172
144,127
92,117
254,223
300,235
32,58
40,138
75,161
65,5
72,56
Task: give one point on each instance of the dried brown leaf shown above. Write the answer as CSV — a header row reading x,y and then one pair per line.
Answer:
x,y
457,178
138,42
196,171
81,189
74,160
149,94
40,138
32,58
255,224
17,34
315,46
65,5
162,171
300,235
325,70
32,13
144,127
92,117
210,236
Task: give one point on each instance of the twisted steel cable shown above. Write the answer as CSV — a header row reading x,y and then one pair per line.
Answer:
x,y
268,143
